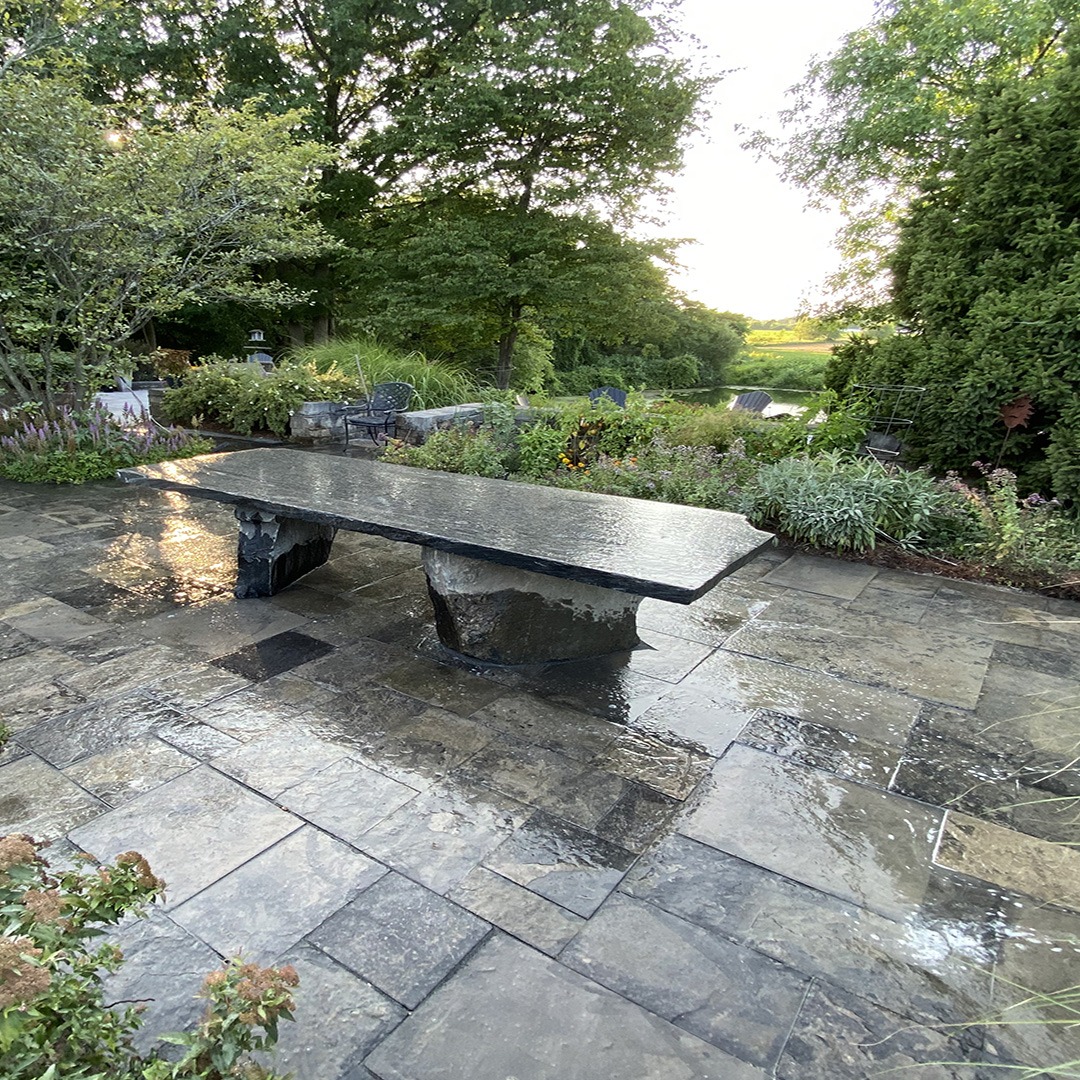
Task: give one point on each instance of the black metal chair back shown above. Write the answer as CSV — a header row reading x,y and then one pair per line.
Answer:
x,y
378,414
753,401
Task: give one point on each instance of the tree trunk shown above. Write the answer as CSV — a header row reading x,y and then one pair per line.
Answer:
x,y
506,346
320,328
297,337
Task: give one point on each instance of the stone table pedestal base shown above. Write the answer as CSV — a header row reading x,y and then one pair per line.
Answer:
x,y
509,616
274,551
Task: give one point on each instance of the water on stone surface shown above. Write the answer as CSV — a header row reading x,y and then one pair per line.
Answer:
x,y
809,840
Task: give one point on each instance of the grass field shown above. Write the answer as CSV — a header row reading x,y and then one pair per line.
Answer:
x,y
799,366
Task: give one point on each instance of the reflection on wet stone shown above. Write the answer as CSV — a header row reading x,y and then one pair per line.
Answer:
x,y
729,995
840,752
440,798
840,1037
400,937
561,862
853,841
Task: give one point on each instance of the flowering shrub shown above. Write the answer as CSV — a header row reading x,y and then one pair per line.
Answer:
x,y
87,445
53,1021
1029,532
242,398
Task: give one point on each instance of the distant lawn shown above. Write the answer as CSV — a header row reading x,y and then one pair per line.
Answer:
x,y
798,366
822,347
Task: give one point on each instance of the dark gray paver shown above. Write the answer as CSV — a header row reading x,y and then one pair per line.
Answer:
x,y
164,967
272,655
338,1021
729,995
441,685
665,656
128,672
554,727
827,577
669,769
850,756
428,746
52,622
936,965
557,860
272,764
933,663
523,914
118,775
193,830
439,837
254,911
849,840
841,1037
513,1012
744,684
401,937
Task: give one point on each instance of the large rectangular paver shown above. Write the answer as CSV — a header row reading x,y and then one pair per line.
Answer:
x,y
853,841
193,830
511,1012
942,665
400,937
728,995
267,905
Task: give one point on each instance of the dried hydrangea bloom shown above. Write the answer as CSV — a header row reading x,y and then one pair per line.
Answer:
x,y
18,849
145,875
44,905
20,978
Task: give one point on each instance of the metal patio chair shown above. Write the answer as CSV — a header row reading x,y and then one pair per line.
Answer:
x,y
377,415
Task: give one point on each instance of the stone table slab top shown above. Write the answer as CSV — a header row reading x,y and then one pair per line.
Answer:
x,y
648,548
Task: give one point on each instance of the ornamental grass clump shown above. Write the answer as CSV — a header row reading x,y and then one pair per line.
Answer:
x,y
76,446
55,1023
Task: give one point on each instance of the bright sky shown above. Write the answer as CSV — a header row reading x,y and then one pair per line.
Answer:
x,y
759,251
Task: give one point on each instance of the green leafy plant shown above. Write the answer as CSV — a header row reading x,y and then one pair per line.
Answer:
x,y
54,1022
1030,533
90,444
843,503
244,399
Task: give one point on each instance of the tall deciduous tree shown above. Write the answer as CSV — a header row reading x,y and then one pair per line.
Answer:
x,y
461,277
554,106
101,230
870,122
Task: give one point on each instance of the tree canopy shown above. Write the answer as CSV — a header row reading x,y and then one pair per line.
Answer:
x,y
103,228
871,122
987,278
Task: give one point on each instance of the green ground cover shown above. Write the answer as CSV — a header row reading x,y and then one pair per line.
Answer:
x,y
800,476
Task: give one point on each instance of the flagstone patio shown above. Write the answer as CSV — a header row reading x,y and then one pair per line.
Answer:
x,y
812,827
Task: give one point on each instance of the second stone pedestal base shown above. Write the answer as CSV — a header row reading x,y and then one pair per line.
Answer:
x,y
274,551
509,616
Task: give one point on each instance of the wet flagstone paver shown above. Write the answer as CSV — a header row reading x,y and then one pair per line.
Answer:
x,y
193,830
846,839
712,857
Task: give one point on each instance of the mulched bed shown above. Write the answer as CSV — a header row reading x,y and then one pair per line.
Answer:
x,y
897,558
